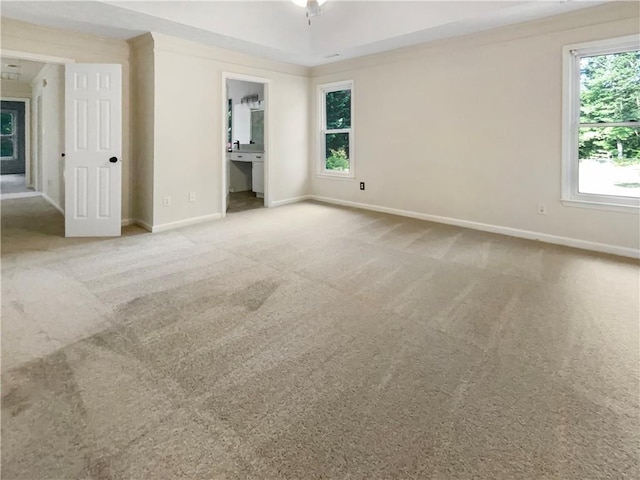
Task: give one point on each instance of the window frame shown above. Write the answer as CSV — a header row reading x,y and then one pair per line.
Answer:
x,y
13,135
572,54
323,131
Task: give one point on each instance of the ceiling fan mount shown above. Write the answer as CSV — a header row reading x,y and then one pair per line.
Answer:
x,y
314,7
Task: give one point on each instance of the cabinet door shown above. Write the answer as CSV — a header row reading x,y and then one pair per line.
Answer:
x,y
257,177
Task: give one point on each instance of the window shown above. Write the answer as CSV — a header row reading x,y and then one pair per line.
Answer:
x,y
336,129
601,157
8,144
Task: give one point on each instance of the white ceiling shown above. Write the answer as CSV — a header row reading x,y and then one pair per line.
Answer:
x,y
279,30
25,69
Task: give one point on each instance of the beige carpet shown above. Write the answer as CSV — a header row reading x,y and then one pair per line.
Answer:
x,y
310,341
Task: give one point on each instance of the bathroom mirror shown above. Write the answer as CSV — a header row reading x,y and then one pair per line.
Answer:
x,y
257,127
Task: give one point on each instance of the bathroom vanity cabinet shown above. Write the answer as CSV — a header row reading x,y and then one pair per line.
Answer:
x,y
257,168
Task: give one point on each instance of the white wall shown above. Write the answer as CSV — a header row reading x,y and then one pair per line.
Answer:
x,y
188,112
52,130
470,128
25,37
142,127
13,89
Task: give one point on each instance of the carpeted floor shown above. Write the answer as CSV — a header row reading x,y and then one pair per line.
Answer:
x,y
310,341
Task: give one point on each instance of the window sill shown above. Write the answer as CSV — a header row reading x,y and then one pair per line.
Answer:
x,y
612,207
335,176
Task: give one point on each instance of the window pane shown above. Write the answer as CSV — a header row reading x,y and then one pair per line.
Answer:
x,y
610,88
337,148
6,123
609,161
338,108
6,147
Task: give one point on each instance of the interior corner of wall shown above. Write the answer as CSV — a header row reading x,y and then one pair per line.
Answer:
x,y
140,42
158,39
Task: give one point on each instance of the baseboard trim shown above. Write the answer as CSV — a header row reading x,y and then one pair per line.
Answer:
x,y
144,225
287,201
183,223
10,196
54,204
485,227
125,222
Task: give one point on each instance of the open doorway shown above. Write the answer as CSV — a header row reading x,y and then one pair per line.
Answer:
x,y
245,159
32,95
14,141
84,117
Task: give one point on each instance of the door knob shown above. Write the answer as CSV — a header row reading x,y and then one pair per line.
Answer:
x,y
113,159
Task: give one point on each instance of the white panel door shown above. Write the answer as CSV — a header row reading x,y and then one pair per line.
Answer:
x,y
93,147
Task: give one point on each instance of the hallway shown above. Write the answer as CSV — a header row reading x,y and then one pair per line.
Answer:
x,y
14,183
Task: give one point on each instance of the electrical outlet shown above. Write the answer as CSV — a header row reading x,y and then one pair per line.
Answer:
x,y
542,209
361,185
166,201
192,196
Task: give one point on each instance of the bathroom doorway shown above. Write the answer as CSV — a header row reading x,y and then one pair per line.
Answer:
x,y
245,184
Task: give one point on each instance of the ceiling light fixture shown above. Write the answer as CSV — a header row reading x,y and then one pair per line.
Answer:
x,y
314,7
